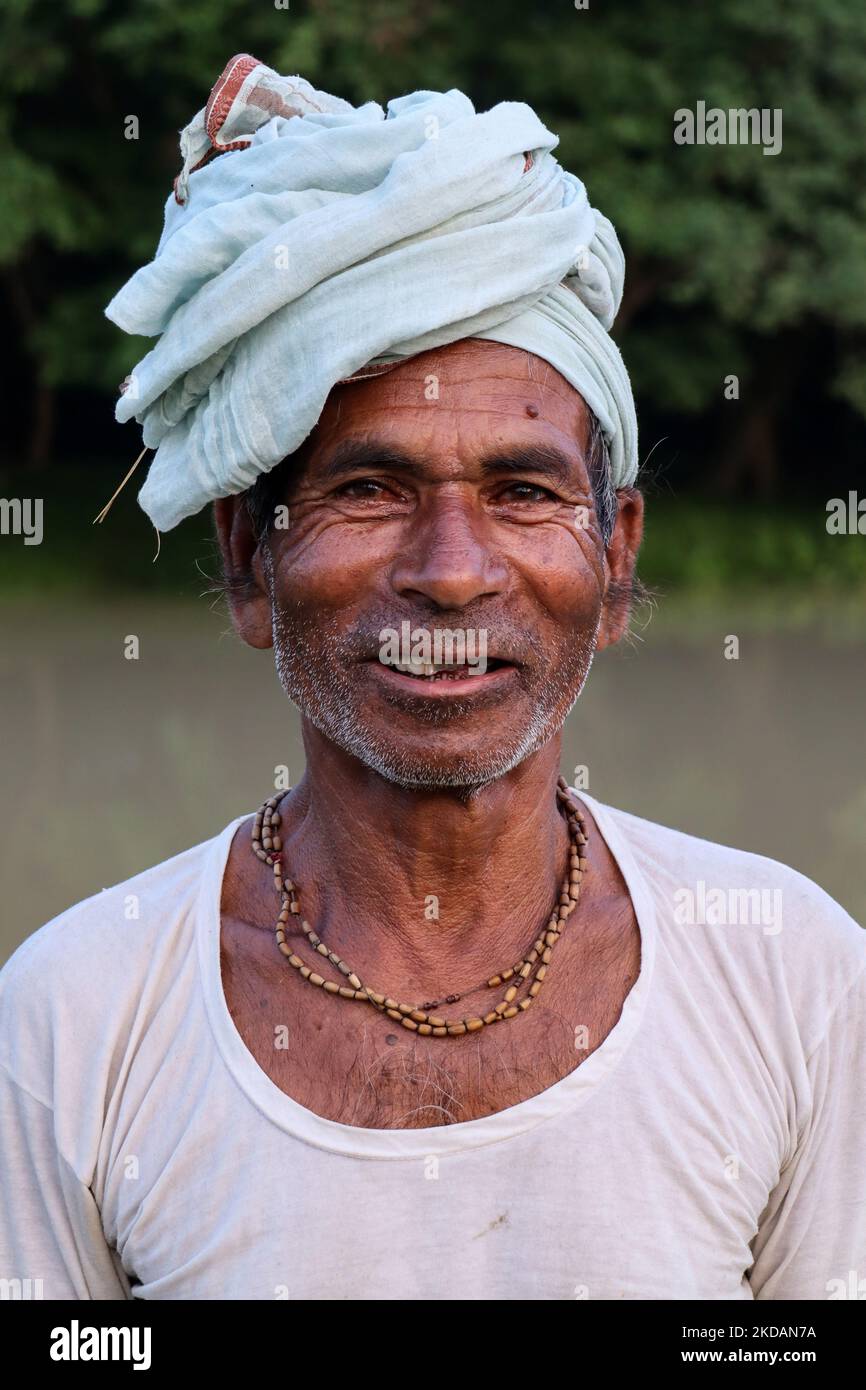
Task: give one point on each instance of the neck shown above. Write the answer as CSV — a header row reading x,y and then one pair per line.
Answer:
x,y
424,889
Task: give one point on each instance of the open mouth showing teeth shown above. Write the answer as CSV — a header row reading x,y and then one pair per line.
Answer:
x,y
442,671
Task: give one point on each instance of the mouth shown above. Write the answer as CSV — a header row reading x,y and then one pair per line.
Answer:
x,y
443,679
442,670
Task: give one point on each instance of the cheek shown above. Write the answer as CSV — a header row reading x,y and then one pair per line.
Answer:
x,y
562,573
329,565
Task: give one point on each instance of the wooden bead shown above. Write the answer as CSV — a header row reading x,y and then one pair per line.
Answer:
x,y
267,845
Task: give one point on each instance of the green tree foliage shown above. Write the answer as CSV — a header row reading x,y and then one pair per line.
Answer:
x,y
738,262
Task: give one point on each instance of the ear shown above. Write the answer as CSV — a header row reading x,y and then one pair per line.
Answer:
x,y
243,568
619,564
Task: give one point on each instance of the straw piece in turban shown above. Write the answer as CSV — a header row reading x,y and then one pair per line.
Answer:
x,y
307,239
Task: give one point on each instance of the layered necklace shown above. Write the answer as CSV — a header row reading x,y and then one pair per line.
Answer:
x,y
527,974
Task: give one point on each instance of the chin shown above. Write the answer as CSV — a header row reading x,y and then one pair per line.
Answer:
x,y
408,765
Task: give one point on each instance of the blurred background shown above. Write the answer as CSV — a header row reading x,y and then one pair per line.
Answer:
x,y
739,264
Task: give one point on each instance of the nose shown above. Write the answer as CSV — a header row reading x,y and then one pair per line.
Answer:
x,y
448,559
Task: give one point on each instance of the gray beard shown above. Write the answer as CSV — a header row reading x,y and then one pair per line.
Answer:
x,y
313,662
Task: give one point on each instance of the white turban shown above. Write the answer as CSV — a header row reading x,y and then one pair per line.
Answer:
x,y
329,238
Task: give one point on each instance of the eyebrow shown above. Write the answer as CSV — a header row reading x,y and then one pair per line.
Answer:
x,y
350,455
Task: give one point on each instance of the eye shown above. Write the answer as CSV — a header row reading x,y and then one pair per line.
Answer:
x,y
371,498
363,489
526,492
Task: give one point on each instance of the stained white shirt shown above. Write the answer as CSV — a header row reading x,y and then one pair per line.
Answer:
x,y
713,1146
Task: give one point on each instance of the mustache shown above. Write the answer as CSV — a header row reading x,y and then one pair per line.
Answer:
x,y
505,639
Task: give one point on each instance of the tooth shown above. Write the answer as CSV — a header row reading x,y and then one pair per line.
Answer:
x,y
412,668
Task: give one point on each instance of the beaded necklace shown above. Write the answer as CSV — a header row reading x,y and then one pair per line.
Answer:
x,y
530,970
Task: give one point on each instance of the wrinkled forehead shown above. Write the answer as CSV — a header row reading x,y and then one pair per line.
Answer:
x,y
469,384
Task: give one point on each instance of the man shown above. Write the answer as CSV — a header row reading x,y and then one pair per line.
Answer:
x,y
477,1044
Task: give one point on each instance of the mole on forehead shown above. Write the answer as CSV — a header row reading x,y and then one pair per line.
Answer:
x,y
531,374
505,401
484,393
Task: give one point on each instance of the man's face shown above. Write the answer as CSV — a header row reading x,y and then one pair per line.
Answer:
x,y
449,494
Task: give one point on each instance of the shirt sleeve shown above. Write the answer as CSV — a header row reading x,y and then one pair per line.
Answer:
x,y
50,1229
811,1240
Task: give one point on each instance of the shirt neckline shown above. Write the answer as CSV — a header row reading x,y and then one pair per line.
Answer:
x,y
295,1119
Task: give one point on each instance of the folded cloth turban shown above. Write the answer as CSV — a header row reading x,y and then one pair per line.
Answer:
x,y
307,239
